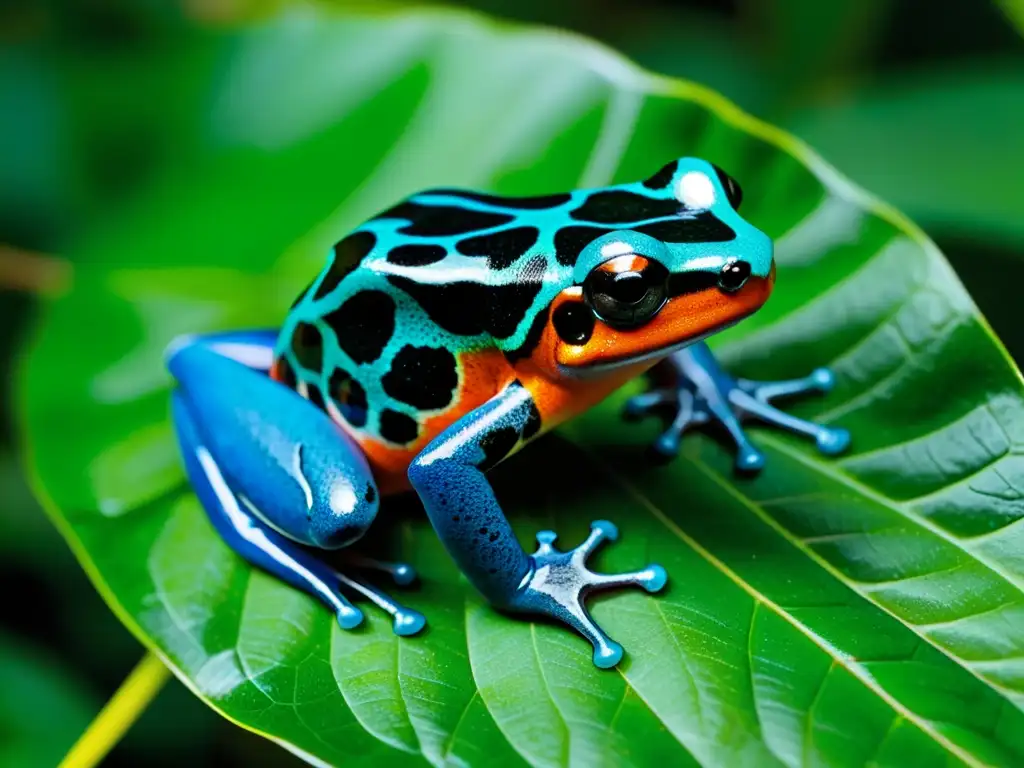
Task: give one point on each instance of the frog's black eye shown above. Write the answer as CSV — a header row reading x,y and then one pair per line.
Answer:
x,y
626,291
733,276
732,190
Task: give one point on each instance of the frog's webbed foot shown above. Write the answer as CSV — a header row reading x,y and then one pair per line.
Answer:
x,y
558,583
704,392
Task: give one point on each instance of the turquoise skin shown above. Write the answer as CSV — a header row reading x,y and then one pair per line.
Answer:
x,y
442,336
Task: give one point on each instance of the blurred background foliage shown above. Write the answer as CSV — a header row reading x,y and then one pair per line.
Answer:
x,y
922,104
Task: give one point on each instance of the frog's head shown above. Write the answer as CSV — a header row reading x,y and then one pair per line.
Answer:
x,y
643,292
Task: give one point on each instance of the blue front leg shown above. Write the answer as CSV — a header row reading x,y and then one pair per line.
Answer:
x,y
449,477
272,471
703,392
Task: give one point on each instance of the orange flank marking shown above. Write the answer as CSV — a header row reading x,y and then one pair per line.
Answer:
x,y
484,374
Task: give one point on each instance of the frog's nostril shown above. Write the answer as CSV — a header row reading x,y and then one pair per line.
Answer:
x,y
733,276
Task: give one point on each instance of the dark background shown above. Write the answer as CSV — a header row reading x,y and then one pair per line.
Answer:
x,y
924,109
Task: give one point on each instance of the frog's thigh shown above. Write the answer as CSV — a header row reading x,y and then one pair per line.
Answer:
x,y
291,464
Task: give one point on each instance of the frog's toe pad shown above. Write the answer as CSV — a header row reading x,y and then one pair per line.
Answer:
x,y
559,583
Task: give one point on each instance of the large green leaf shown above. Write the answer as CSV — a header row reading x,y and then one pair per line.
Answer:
x,y
837,612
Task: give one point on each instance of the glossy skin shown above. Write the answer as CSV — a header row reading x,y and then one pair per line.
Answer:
x,y
445,334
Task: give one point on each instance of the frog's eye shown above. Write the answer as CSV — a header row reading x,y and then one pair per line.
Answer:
x,y
732,190
627,291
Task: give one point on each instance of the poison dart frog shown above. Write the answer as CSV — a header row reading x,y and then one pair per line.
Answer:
x,y
441,337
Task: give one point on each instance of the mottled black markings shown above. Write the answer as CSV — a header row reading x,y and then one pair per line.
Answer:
x,y
700,228
501,248
363,324
423,377
440,220
397,427
620,207
574,322
286,374
348,253
662,178
569,241
496,445
350,397
416,255
537,203
315,396
470,309
681,283
532,339
308,346
371,493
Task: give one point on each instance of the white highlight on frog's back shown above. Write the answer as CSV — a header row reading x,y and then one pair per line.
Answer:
x,y
301,478
695,190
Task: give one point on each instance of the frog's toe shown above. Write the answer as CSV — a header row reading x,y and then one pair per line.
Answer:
x,y
404,621
559,582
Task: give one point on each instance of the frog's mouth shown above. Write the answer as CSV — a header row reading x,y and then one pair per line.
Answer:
x,y
683,320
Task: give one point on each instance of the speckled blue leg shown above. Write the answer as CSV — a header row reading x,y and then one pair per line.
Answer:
x,y
705,392
449,476
274,475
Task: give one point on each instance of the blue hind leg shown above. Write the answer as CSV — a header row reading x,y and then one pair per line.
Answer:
x,y
704,392
273,473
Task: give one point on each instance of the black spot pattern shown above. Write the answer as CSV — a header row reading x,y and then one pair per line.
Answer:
x,y
569,241
496,445
619,207
662,178
347,255
285,373
469,309
423,377
574,322
537,203
532,338
703,228
315,396
308,346
439,220
371,494
416,255
397,427
501,248
363,324
349,396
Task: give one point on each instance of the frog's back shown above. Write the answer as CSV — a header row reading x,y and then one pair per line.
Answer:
x,y
419,316
428,310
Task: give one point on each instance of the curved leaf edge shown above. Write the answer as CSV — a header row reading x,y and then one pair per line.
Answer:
x,y
619,71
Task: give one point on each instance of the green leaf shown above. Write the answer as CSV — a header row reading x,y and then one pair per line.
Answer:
x,y
941,143
833,612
